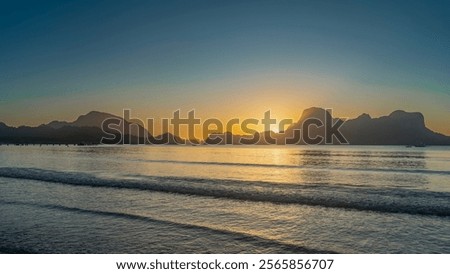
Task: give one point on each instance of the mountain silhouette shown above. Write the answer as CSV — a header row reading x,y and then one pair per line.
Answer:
x,y
91,119
99,119
86,129
398,128
318,114
48,135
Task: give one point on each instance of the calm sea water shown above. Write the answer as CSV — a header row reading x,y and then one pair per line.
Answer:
x,y
224,199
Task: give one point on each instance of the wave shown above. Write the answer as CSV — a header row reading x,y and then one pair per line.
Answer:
x,y
243,237
337,168
13,250
363,154
385,200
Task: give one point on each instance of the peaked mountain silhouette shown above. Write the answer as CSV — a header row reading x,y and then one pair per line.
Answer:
x,y
96,119
398,128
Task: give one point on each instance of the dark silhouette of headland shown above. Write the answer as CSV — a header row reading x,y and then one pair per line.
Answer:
x,y
398,128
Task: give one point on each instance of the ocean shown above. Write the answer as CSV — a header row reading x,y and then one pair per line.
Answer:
x,y
224,199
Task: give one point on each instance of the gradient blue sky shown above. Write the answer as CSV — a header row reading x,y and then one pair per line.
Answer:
x,y
59,59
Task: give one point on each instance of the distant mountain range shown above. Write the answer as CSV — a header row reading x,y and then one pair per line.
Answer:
x,y
398,128
87,129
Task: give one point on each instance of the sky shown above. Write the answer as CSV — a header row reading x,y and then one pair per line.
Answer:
x,y
61,59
